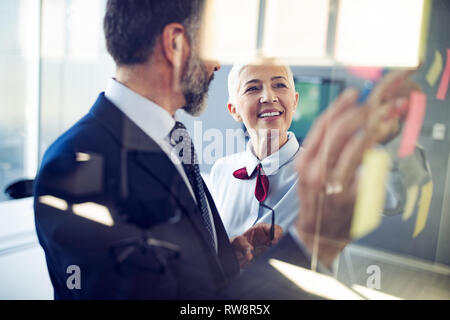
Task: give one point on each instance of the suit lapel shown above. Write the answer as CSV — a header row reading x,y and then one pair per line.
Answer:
x,y
163,170
151,158
229,262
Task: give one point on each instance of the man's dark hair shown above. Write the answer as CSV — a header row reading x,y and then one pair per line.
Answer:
x,y
132,26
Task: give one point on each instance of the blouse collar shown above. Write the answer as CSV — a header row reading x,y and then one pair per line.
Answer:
x,y
272,163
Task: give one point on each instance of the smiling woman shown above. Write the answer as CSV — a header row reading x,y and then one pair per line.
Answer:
x,y
261,95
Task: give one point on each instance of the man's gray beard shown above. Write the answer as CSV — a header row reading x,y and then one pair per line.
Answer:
x,y
194,85
198,108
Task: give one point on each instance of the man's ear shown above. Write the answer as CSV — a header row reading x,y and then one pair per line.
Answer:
x,y
175,46
234,112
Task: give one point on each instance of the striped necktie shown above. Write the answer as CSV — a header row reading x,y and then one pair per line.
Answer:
x,y
182,143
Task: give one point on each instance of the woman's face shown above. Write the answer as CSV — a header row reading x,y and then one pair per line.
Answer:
x,y
265,99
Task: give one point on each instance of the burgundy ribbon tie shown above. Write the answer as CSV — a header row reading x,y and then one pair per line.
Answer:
x,y
262,182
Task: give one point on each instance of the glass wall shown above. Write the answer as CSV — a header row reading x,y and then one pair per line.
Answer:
x,y
54,63
48,50
72,47
19,93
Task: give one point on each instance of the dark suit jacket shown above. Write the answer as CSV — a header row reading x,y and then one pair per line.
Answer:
x,y
131,180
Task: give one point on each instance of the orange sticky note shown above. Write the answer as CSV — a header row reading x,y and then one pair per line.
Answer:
x,y
414,120
371,193
424,207
442,91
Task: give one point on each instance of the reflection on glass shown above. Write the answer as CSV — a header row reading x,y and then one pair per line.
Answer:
x,y
54,202
315,283
74,67
95,212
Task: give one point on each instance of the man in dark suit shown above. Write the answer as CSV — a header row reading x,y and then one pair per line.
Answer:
x,y
121,203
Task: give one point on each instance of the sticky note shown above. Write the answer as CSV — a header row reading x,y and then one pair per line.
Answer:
x,y
413,124
371,193
435,70
411,198
442,91
368,73
424,207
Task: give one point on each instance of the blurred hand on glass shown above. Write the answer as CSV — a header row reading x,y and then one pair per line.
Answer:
x,y
332,154
389,102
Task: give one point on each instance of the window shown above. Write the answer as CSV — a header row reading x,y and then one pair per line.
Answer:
x,y
19,94
72,46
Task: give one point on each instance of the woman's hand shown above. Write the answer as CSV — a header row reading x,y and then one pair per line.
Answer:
x,y
254,242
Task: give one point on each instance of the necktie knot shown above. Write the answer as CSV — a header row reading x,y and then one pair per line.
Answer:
x,y
182,143
179,134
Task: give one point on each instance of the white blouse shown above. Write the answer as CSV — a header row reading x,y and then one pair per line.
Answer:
x,y
235,198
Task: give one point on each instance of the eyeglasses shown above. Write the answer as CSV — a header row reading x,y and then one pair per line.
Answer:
x,y
272,226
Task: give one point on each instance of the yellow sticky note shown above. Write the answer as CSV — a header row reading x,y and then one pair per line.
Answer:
x,y
371,193
424,207
411,199
435,70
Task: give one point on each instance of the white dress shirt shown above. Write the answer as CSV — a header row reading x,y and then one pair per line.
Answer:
x,y
235,198
155,121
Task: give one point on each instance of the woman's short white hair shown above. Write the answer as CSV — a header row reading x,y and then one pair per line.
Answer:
x,y
236,70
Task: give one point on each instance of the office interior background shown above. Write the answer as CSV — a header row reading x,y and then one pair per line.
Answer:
x,y
54,63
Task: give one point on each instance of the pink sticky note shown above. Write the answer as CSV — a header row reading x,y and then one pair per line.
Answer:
x,y
413,124
442,91
368,73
